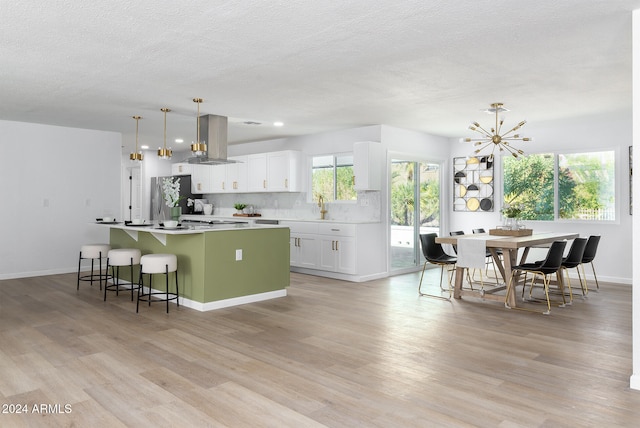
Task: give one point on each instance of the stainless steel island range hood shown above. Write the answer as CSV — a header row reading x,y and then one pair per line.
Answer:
x,y
213,132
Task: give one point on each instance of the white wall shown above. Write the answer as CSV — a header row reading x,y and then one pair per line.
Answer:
x,y
635,377
55,182
603,132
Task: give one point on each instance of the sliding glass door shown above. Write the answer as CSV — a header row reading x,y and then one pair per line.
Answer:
x,y
415,209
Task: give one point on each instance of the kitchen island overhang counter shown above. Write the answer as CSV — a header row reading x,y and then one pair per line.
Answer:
x,y
218,267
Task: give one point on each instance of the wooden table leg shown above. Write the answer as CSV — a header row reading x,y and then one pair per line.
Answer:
x,y
457,287
510,259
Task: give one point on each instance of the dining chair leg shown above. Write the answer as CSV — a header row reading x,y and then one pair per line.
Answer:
x,y
585,290
420,285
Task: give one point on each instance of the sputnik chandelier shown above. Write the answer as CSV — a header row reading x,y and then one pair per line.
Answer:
x,y
502,141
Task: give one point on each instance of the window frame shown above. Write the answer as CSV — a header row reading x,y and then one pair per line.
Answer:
x,y
335,156
556,154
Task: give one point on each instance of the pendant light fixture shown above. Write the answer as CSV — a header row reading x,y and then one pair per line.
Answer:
x,y
137,155
494,138
164,153
198,148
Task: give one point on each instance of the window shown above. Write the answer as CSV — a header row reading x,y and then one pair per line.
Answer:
x,y
576,186
332,177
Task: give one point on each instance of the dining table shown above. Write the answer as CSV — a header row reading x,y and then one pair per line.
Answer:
x,y
478,245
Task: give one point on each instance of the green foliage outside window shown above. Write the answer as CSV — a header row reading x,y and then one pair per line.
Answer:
x,y
403,194
332,178
585,181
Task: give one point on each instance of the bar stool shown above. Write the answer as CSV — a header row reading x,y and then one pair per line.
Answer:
x,y
158,264
93,252
115,259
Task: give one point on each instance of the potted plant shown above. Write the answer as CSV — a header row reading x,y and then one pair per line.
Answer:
x,y
239,207
171,194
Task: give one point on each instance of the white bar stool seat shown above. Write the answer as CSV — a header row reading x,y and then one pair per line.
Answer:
x,y
121,257
93,252
158,264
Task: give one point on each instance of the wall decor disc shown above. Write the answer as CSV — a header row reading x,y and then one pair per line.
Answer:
x,y
459,204
486,204
486,176
460,191
473,204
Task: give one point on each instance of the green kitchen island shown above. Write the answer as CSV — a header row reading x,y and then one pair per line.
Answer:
x,y
218,266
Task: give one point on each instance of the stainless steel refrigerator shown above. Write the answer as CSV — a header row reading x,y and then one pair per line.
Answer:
x,y
159,209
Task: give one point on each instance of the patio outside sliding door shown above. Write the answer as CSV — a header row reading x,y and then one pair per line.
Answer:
x,y
415,209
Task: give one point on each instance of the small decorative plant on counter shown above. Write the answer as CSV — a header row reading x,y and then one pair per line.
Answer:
x,y
171,194
239,207
512,213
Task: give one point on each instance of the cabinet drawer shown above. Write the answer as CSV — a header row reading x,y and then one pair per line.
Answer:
x,y
337,229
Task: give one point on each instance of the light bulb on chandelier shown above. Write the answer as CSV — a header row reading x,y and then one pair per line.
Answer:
x,y
501,141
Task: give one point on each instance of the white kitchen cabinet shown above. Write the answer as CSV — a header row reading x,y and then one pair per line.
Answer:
x,y
181,168
201,179
275,172
236,175
337,247
368,165
257,172
218,178
304,244
349,251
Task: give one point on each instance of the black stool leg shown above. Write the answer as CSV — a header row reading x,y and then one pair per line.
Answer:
x,y
100,272
140,283
79,264
91,277
166,280
131,279
177,291
105,286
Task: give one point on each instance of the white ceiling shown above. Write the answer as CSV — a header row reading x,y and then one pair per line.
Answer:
x,y
427,65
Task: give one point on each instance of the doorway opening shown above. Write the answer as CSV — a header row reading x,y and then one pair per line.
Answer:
x,y
415,209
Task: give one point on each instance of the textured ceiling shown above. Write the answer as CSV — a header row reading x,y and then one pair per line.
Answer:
x,y
424,64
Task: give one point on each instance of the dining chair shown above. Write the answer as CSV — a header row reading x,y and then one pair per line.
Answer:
x,y
574,260
550,265
590,254
434,254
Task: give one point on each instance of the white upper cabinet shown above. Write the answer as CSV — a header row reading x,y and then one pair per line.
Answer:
x,y
275,172
236,175
218,178
181,168
368,165
201,179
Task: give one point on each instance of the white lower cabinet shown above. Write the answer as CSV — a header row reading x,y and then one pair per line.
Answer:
x,y
304,244
353,252
338,248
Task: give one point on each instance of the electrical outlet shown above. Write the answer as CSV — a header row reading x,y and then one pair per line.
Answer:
x,y
238,255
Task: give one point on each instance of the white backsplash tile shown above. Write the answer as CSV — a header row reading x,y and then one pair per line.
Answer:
x,y
297,206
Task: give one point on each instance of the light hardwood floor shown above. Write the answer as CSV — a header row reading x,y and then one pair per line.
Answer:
x,y
331,353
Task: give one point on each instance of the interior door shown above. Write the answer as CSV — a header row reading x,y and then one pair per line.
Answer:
x,y
415,209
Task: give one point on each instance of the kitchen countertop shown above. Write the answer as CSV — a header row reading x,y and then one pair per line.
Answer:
x,y
190,228
252,219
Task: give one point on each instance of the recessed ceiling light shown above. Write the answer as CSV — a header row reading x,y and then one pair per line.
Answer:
x,y
278,124
144,147
179,140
